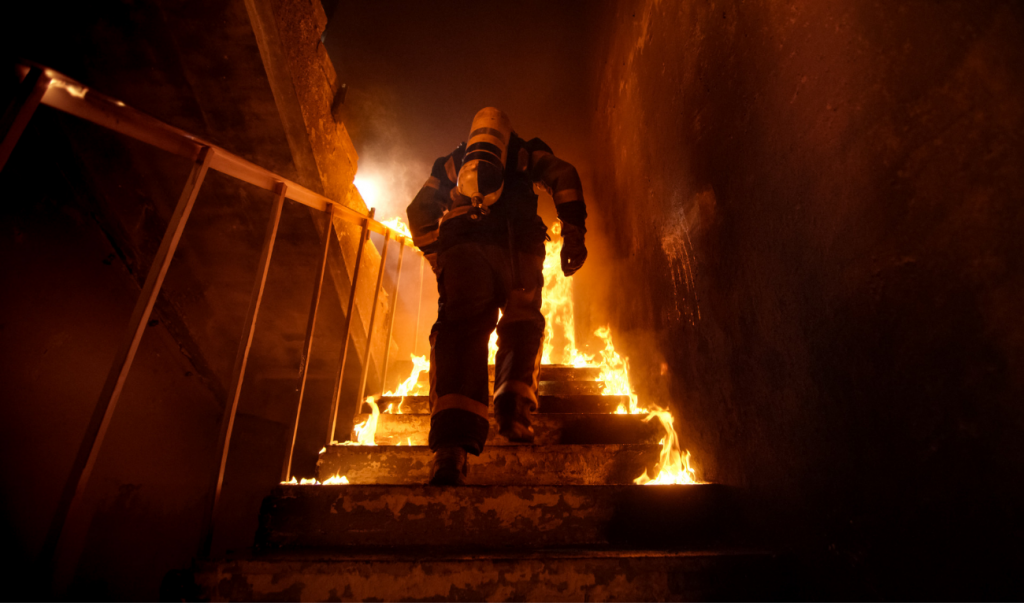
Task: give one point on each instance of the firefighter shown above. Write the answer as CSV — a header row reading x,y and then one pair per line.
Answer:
x,y
475,219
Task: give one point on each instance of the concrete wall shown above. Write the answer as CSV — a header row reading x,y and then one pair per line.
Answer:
x,y
820,203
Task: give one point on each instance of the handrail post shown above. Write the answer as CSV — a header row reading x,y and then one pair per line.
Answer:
x,y
307,345
419,308
19,113
373,315
241,359
71,498
332,419
391,320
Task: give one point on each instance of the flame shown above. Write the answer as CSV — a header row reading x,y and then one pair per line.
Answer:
x,y
558,312
673,466
409,386
557,309
558,306
615,374
335,480
366,431
492,343
398,225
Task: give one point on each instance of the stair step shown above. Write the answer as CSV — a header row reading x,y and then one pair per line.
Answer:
x,y
467,517
553,576
556,386
496,465
560,372
569,387
546,404
549,429
545,388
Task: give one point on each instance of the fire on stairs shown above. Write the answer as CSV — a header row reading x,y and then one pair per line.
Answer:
x,y
568,518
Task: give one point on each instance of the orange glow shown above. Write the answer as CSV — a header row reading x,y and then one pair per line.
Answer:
x,y
74,90
411,386
366,431
558,306
398,225
335,480
369,189
492,344
615,374
559,347
673,466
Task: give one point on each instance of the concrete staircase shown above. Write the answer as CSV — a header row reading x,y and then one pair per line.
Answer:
x,y
559,520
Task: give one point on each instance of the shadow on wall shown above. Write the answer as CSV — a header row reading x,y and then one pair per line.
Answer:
x,y
67,299
824,224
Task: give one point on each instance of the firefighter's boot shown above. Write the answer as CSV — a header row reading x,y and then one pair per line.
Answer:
x,y
449,466
513,416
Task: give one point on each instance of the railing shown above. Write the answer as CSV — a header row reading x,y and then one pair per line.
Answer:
x,y
46,86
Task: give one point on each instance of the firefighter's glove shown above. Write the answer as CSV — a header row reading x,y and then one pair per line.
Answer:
x,y
574,251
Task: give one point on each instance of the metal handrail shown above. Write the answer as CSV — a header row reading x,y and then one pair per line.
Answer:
x,y
74,98
43,85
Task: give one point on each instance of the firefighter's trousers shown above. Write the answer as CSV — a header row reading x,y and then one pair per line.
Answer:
x,y
474,281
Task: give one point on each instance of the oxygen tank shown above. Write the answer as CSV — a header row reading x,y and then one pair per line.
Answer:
x,y
482,176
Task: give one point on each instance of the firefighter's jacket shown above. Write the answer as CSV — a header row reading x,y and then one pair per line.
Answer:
x,y
440,217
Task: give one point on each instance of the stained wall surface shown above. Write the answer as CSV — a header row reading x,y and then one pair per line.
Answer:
x,y
820,204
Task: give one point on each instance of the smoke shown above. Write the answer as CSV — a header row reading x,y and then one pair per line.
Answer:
x,y
389,177
390,170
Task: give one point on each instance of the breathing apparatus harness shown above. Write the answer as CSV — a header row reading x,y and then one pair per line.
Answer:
x,y
481,178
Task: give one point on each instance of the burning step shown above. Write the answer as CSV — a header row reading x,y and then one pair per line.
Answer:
x,y
560,372
393,516
497,465
547,404
569,387
549,429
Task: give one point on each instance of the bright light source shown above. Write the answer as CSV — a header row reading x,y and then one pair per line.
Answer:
x,y
74,90
370,190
